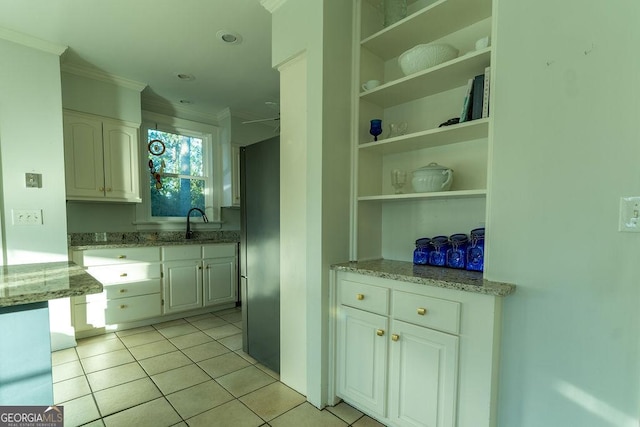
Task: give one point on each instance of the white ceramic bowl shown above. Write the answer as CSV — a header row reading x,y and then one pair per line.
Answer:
x,y
425,56
432,177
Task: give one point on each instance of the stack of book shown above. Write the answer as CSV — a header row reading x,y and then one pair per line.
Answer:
x,y
476,100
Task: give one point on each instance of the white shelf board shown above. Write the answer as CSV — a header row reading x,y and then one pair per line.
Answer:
x,y
443,77
459,194
445,135
431,23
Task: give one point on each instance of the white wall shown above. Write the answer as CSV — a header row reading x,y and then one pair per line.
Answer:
x,y
31,141
566,148
102,97
321,32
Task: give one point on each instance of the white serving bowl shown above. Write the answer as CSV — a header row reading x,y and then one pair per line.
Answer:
x,y
424,56
432,177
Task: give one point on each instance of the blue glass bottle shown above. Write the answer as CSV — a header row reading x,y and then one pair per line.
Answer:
x,y
421,252
376,128
457,253
438,251
475,250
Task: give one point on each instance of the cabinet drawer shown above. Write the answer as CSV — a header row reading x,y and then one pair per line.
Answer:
x,y
133,308
131,289
92,257
219,250
121,273
427,311
364,297
180,253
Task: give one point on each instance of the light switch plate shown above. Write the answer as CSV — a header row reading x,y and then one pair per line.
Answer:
x,y
629,214
33,180
27,216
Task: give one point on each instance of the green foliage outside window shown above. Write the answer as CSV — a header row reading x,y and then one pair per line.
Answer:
x,y
183,178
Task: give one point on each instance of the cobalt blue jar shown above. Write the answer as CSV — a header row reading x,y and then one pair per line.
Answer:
x,y
438,251
475,250
421,252
457,253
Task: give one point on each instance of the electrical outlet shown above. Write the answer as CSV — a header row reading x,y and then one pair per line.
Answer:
x,y
629,214
27,216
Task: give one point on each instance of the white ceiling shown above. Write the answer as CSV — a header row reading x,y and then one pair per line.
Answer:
x,y
151,41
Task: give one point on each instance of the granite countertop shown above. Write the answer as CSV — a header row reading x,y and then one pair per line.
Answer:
x,y
450,278
109,245
29,283
84,241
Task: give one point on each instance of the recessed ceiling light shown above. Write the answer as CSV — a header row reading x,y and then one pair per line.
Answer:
x,y
229,37
185,76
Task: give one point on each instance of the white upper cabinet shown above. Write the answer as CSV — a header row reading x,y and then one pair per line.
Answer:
x,y
101,158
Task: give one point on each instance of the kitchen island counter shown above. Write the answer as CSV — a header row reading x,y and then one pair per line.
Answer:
x,y
25,349
450,278
31,283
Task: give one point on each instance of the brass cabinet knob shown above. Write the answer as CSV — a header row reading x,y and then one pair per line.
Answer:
x,y
199,267
395,337
379,332
122,291
123,306
108,189
123,275
122,256
359,297
101,189
422,311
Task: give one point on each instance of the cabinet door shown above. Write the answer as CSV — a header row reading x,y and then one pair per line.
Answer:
x,y
362,359
83,156
121,162
422,376
235,175
182,285
220,281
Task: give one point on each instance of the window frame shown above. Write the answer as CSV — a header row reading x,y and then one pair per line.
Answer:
x,y
212,165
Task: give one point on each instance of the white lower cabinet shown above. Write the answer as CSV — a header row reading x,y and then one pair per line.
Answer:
x,y
362,358
415,355
182,285
132,288
149,282
197,276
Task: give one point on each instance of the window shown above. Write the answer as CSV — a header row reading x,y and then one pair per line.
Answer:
x,y
182,159
177,180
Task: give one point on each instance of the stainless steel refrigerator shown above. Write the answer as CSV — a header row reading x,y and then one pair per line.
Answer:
x,y
260,251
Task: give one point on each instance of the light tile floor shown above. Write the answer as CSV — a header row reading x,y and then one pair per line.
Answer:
x,y
187,372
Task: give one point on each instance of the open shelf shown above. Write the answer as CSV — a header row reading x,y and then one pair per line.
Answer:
x,y
445,135
431,23
459,194
443,77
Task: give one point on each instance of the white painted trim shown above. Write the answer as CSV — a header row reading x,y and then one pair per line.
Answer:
x,y
95,74
33,42
272,5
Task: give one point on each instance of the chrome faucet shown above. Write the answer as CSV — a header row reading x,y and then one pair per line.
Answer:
x,y
204,218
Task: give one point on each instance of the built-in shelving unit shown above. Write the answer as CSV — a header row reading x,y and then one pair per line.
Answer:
x,y
385,224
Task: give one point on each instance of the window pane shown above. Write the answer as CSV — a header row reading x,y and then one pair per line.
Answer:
x,y
183,154
176,196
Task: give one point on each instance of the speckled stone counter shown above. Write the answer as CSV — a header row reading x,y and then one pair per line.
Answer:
x,y
84,241
463,280
32,283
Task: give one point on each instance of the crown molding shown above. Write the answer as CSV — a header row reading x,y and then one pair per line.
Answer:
x,y
272,5
32,42
95,74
